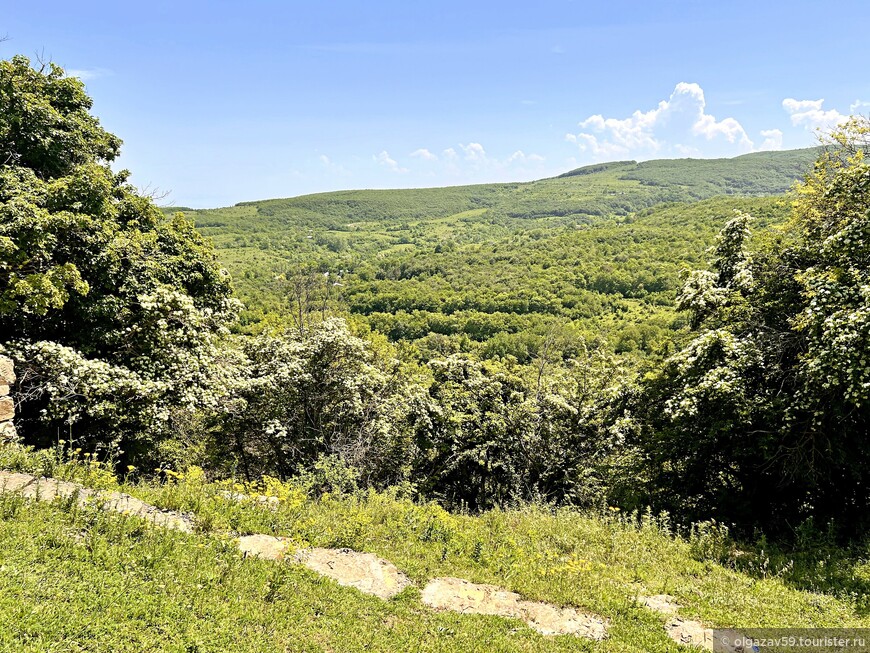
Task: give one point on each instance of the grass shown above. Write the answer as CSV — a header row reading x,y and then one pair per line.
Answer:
x,y
79,580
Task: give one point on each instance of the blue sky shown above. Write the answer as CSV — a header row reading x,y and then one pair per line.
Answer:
x,y
220,102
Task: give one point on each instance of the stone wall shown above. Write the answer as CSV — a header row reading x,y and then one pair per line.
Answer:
x,y
7,406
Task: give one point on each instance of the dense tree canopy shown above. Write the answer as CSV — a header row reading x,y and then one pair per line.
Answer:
x,y
763,417
97,287
487,352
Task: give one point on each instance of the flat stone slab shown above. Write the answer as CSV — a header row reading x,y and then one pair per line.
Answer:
x,y
364,571
662,603
267,547
471,598
687,631
49,489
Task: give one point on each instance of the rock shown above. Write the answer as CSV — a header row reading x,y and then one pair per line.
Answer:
x,y
7,409
8,433
4,389
470,598
13,482
127,505
49,489
7,371
363,571
661,603
267,547
689,633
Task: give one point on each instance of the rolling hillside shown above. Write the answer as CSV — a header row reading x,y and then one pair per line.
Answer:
x,y
596,251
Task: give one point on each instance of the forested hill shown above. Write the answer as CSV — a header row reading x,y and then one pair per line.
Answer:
x,y
598,249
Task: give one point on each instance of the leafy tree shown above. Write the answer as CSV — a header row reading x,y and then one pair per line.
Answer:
x,y
763,417
315,393
113,310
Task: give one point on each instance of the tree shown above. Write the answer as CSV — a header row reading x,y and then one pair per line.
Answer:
x,y
113,311
320,393
763,417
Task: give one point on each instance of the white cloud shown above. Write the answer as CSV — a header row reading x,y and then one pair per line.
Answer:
x,y
772,139
859,106
86,74
450,154
391,164
324,159
474,151
810,114
521,157
677,125
424,154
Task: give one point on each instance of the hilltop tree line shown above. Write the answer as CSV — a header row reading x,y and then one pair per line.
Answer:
x,y
125,331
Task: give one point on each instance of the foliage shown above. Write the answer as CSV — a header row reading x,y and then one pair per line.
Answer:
x,y
112,310
762,417
321,393
601,249
496,433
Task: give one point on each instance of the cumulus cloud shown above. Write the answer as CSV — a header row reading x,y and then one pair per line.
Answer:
x,y
772,139
811,115
521,157
678,125
473,152
391,164
324,159
859,106
424,154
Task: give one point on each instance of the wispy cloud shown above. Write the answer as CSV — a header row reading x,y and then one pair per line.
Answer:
x,y
87,74
389,163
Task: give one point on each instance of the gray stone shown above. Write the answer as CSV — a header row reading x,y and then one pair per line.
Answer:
x,y
267,547
7,371
7,409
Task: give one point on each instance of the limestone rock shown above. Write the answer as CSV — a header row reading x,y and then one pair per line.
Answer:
x,y
689,633
7,371
470,598
267,547
363,571
49,489
7,409
8,432
662,603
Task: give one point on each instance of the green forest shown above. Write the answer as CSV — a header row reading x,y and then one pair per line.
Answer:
x,y
630,334
685,339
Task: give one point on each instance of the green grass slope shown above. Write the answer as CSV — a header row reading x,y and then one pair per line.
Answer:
x,y
78,579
